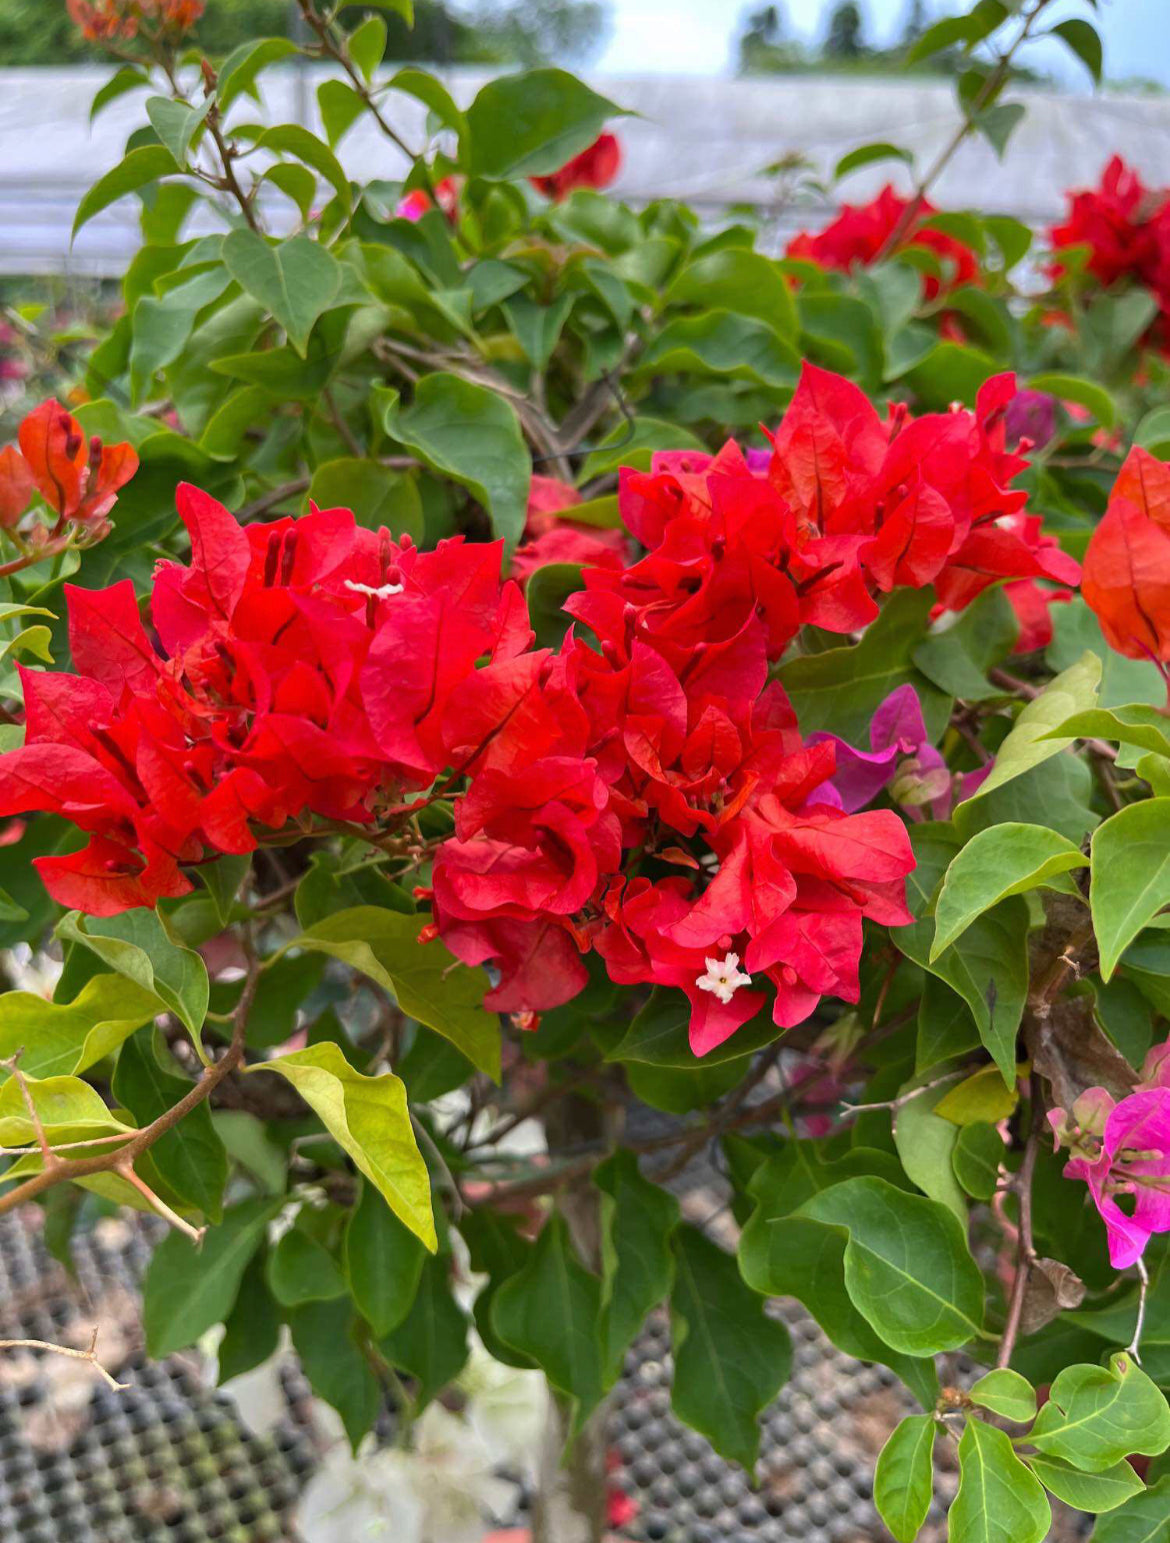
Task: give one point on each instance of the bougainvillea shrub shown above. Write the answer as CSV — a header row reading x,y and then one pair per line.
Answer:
x,y
482,662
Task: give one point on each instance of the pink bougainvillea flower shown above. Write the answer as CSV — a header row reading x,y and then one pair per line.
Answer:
x,y
1121,1150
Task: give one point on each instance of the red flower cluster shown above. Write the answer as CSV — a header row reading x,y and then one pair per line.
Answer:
x,y
78,478
552,535
595,167
1127,563
1126,228
647,795
112,21
303,667
861,234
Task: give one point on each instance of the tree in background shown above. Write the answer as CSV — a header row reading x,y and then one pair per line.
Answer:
x,y
487,32
844,38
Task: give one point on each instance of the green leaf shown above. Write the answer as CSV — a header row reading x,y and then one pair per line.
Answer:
x,y
300,1270
468,433
1123,680
867,155
632,445
1073,691
367,45
190,1157
175,123
59,1038
529,124
384,945
340,107
383,1261
722,343
295,280
998,123
128,78
137,945
1074,388
947,33
1094,1492
187,1289
1082,37
983,1096
431,92
988,966
1000,861
538,327
1097,1415
977,1158
904,1478
659,1035
546,591
549,1311
908,1269
957,657
377,495
998,1500
637,1219
252,1328
1130,880
926,1145
292,139
324,1335
368,1118
1005,1393
223,880
1144,1519
239,70
1137,723
1153,432
142,166
730,1358
431,1341
736,279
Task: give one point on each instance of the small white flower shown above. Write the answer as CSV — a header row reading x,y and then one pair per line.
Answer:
x,y
723,977
375,592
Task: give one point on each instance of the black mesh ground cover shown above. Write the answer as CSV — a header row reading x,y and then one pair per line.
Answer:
x,y
168,1461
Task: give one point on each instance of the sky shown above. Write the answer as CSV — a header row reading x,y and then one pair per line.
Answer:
x,y
695,37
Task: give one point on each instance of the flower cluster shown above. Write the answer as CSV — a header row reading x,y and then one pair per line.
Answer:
x,y
114,21
299,668
78,478
862,233
643,792
595,167
1126,229
1121,1147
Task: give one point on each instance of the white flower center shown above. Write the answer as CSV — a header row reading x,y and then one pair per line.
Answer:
x,y
723,977
379,592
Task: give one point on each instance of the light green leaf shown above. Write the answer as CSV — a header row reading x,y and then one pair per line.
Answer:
x,y
1137,723
292,139
239,70
384,945
68,1110
549,1311
383,1261
981,1097
1000,861
57,1038
1093,1492
137,945
295,280
998,1500
637,1219
908,1269
377,495
340,107
529,124
1005,1393
175,123
368,1118
730,1358
367,44
867,155
1130,881
1097,1415
1073,691
142,166
904,1477
468,433
187,1289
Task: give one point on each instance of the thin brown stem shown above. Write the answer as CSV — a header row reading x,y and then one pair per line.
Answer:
x,y
89,1355
1025,1246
